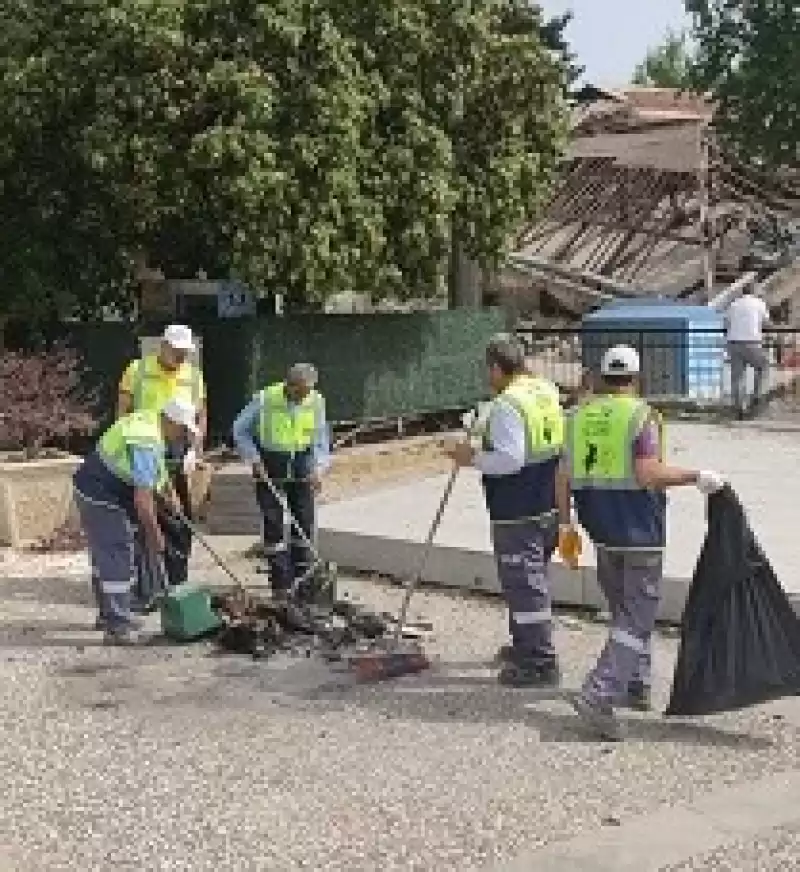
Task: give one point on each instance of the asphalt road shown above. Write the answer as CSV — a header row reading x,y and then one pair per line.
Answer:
x,y
172,759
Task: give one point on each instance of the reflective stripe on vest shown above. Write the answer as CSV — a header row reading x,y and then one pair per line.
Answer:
x,y
140,429
153,387
287,429
600,439
537,403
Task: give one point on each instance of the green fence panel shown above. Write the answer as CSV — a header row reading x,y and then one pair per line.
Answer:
x,y
227,367
371,366
382,366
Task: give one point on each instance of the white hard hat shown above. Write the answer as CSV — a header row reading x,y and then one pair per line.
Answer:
x,y
179,337
182,413
620,360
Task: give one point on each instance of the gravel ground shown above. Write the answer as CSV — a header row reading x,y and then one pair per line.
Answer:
x,y
776,851
172,759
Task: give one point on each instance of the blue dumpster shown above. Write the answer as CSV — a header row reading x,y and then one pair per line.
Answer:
x,y
682,348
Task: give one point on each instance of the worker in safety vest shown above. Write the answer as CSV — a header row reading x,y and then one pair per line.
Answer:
x,y
148,384
283,434
115,489
614,468
518,456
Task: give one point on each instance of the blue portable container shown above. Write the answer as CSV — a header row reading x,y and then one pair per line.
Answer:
x,y
682,348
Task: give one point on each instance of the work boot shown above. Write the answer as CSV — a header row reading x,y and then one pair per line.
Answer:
x,y
526,672
504,654
639,696
101,624
599,720
126,637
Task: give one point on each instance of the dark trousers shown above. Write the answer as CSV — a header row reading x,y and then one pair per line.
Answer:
x,y
288,560
110,536
178,536
153,575
522,552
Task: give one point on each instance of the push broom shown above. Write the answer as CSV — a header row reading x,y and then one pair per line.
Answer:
x,y
398,656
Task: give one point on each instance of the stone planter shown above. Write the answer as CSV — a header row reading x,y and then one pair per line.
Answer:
x,y
35,498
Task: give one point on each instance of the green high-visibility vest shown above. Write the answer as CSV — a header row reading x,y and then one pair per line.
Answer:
x,y
537,402
153,388
600,439
284,430
139,429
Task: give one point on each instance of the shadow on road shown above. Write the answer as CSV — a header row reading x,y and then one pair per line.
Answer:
x,y
256,688
184,678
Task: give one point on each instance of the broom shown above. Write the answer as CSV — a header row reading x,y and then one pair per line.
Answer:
x,y
401,657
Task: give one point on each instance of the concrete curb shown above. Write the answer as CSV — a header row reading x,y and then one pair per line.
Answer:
x,y
474,570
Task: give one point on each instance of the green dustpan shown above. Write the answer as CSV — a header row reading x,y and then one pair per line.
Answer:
x,y
186,614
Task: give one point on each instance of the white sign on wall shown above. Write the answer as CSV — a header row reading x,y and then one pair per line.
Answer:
x,y
234,300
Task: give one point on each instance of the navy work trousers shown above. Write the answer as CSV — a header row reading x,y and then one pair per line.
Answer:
x,y
110,536
287,556
523,550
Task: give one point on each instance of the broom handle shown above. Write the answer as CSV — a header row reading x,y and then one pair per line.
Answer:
x,y
427,547
416,579
221,563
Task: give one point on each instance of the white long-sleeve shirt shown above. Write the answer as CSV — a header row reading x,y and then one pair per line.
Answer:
x,y
507,437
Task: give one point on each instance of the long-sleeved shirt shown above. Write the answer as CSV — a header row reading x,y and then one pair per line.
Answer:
x,y
247,421
506,431
144,467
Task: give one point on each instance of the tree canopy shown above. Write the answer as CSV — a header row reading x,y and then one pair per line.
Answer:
x,y
747,59
307,148
668,65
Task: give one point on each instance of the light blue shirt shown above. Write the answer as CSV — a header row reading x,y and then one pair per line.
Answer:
x,y
144,467
507,436
246,424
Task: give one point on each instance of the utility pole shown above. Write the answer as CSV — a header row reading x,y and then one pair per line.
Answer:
x,y
706,222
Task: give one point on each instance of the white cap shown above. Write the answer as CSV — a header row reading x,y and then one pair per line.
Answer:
x,y
179,336
620,360
182,413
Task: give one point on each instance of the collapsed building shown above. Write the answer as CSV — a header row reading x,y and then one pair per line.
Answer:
x,y
648,206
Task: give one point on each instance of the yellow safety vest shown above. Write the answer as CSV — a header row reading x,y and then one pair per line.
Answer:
x,y
284,430
600,439
139,429
154,387
537,402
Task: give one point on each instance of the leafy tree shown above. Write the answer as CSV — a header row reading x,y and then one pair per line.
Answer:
x,y
308,148
88,95
747,58
667,65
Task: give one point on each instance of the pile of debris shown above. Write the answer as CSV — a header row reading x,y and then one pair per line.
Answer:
x,y
313,620
261,626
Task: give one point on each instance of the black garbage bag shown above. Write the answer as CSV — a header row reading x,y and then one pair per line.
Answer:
x,y
740,639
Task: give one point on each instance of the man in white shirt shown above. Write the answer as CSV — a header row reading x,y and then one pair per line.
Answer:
x,y
521,444
745,321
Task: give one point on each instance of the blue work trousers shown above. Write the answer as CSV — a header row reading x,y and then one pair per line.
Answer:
x,y
110,536
631,583
523,550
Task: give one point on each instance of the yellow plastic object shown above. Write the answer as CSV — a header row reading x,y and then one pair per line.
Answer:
x,y
570,546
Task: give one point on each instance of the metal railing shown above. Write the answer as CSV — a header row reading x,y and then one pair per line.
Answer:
x,y
679,366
